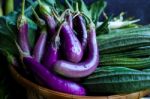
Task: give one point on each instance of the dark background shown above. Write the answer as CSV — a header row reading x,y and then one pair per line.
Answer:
x,y
133,8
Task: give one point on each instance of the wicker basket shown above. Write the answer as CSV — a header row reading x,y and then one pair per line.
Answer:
x,y
35,91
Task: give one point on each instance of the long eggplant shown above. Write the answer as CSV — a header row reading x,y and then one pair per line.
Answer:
x,y
70,44
46,13
79,26
51,53
40,46
22,26
41,42
69,19
51,80
85,68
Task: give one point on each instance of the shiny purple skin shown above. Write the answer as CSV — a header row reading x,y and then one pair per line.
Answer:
x,y
40,46
84,68
23,35
50,56
51,80
71,45
51,23
69,19
79,26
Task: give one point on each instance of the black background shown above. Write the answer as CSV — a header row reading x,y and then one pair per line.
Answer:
x,y
134,8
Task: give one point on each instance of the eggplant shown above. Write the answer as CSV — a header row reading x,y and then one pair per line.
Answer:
x,y
40,46
84,68
79,26
51,54
51,23
70,44
69,19
41,42
51,80
22,26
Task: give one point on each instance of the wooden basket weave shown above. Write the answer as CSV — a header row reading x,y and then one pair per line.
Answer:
x,y
35,91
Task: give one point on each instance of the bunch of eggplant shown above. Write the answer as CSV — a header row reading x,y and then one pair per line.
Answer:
x,y
66,48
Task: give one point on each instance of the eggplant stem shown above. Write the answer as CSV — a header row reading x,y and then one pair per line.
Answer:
x,y
56,16
41,22
59,29
63,14
77,7
56,37
23,6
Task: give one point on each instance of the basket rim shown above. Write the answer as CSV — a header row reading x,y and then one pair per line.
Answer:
x,y
45,91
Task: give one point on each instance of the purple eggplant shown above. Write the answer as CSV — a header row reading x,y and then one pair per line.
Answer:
x,y
41,42
71,45
84,68
40,46
69,19
46,13
51,23
79,26
22,26
51,80
51,54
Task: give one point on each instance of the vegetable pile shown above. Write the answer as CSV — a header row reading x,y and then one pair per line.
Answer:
x,y
65,48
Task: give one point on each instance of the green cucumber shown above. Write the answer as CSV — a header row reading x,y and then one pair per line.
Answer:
x,y
146,70
122,32
121,43
135,63
116,80
135,53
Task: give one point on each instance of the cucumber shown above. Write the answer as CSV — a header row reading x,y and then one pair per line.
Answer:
x,y
146,70
134,53
122,32
116,80
135,63
122,43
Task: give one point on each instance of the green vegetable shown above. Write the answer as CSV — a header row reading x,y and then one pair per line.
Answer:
x,y
123,42
136,63
122,32
117,80
134,53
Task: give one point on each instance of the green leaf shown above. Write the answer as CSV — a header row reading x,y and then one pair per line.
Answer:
x,y
83,8
28,10
7,26
59,7
96,9
8,44
50,2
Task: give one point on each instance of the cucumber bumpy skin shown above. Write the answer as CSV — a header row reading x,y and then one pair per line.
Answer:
x,y
116,80
123,43
135,63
